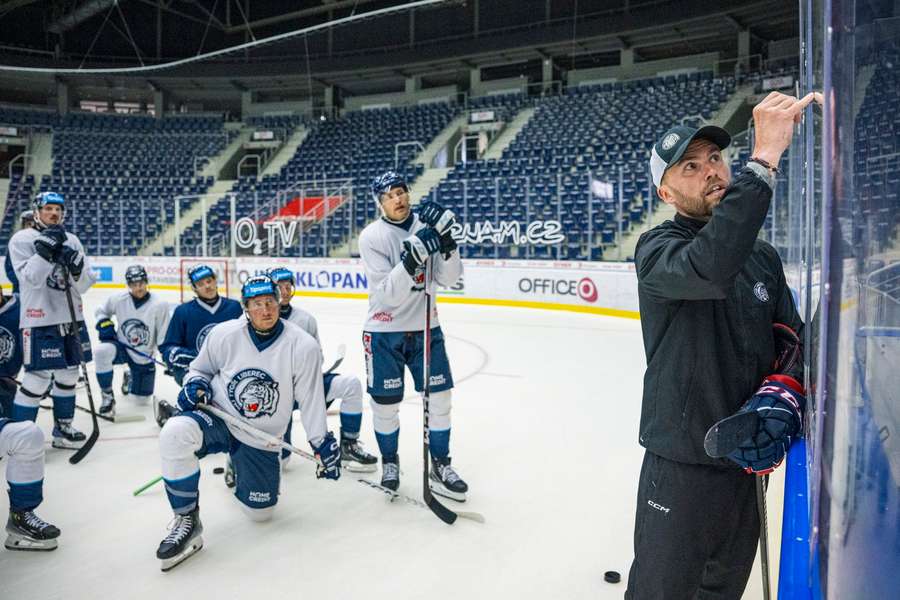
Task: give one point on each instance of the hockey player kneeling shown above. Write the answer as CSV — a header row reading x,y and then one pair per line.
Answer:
x,y
253,369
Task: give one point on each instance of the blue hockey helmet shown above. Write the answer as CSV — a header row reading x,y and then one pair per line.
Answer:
x,y
45,198
386,182
199,272
279,274
135,273
259,285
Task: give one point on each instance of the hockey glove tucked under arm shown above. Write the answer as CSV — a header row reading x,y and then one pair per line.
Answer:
x,y
438,217
788,349
779,402
417,248
50,243
106,330
72,260
448,244
180,358
329,455
196,391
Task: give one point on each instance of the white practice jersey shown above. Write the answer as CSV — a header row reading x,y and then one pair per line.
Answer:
x,y
42,287
142,327
260,386
396,300
305,321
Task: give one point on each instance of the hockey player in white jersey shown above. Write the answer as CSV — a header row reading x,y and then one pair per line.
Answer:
x,y
50,263
394,251
347,388
142,320
253,369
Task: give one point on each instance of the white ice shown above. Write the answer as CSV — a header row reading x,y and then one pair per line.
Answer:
x,y
545,418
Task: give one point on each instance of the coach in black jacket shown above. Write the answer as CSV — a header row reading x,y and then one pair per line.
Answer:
x,y
709,293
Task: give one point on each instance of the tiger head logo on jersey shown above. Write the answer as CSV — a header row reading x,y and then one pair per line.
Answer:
x,y
254,393
136,332
201,337
419,279
57,278
7,344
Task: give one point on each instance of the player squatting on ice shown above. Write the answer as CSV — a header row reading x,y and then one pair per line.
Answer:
x,y
233,388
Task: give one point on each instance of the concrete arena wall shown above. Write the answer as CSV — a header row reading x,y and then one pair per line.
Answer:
x,y
589,287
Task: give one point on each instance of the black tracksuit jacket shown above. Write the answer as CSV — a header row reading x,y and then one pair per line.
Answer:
x,y
708,293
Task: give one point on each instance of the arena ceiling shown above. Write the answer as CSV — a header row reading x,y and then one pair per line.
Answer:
x,y
439,44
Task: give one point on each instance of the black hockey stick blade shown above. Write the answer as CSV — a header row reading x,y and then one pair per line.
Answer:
x,y
440,511
727,435
88,444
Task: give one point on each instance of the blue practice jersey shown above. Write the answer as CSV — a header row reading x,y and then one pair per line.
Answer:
x,y
10,338
192,321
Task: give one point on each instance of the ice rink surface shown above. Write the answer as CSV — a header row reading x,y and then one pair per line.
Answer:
x,y
545,418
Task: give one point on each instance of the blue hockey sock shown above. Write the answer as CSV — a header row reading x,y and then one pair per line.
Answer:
x,y
24,413
350,424
105,380
25,496
184,493
388,442
63,407
439,442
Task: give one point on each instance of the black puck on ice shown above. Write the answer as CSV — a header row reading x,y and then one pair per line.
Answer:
x,y
612,577
219,470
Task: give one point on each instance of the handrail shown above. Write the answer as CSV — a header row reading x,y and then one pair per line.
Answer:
x,y
397,150
247,158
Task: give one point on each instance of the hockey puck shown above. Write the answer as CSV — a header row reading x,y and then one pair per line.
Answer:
x,y
612,577
219,470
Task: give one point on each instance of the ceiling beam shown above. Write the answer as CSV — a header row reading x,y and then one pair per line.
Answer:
x,y
79,15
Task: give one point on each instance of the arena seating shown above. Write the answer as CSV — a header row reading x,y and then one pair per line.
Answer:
x,y
120,173
357,146
584,135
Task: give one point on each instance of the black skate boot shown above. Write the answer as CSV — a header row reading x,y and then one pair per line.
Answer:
x,y
354,458
390,473
162,410
65,436
184,540
126,382
108,404
27,531
444,481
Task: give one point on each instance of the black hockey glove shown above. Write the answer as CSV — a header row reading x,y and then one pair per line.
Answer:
x,y
448,244
72,260
417,248
49,243
106,331
329,455
180,358
436,216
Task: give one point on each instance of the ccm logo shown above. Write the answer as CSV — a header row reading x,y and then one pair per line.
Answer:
x,y
658,507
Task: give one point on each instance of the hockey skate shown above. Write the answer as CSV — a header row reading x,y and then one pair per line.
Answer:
x,y
390,474
65,436
108,404
126,382
444,481
162,410
184,540
229,472
354,458
27,531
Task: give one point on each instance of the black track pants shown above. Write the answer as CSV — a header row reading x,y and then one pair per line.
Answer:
x,y
695,534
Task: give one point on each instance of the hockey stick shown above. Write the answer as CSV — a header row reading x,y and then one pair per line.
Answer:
x,y
117,419
146,486
144,354
76,332
441,512
275,442
726,436
763,533
341,351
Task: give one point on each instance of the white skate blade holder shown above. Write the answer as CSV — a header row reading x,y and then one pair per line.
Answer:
x,y
17,541
440,490
191,549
